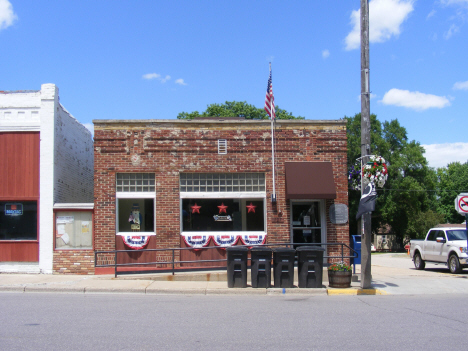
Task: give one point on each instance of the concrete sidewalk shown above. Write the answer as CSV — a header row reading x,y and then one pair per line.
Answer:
x,y
391,274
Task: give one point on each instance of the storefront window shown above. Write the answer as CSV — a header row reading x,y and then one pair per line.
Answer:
x,y
223,215
135,203
73,230
136,215
18,220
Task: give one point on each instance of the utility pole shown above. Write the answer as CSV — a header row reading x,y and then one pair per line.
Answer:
x,y
365,142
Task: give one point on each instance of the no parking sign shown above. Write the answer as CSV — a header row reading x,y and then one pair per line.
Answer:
x,y
461,204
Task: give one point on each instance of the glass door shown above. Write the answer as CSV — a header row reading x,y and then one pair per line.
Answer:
x,y
306,224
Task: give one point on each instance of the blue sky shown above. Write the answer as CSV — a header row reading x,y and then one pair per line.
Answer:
x,y
152,59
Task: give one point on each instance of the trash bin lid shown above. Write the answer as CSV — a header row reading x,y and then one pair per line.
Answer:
x,y
260,249
284,249
310,248
237,249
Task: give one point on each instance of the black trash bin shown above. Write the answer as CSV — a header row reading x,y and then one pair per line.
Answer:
x,y
237,266
260,267
283,267
310,266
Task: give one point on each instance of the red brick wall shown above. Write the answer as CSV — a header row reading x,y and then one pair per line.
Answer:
x,y
74,261
168,148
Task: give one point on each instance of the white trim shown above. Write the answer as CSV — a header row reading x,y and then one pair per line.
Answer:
x,y
135,233
135,195
80,206
17,128
223,195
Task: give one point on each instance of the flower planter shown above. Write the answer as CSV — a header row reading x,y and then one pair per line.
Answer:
x,y
339,279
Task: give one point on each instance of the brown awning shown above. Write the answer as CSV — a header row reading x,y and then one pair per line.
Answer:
x,y
310,180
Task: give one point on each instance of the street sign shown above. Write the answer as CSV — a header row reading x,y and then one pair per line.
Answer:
x,y
461,204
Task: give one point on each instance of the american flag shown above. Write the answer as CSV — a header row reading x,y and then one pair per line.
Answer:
x,y
270,99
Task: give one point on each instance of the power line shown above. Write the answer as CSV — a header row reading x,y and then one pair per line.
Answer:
x,y
422,190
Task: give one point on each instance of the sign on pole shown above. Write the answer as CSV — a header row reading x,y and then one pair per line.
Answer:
x,y
461,204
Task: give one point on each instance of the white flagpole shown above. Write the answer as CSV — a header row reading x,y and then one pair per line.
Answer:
x,y
273,196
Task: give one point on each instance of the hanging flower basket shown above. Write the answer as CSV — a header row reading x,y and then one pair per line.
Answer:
x,y
354,177
375,171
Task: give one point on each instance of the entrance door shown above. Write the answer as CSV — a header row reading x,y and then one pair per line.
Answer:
x,y
306,222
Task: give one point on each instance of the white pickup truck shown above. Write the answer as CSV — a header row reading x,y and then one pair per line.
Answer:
x,y
442,245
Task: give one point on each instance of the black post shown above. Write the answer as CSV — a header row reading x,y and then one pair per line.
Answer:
x,y
115,264
173,258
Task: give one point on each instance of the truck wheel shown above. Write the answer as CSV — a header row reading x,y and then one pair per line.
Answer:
x,y
454,264
419,264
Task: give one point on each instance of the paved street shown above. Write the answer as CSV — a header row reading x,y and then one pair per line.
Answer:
x,y
57,321
395,274
410,310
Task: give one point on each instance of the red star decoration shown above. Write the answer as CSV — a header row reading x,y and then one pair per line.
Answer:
x,y
251,208
222,208
195,208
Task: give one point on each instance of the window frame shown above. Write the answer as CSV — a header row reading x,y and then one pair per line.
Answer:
x,y
134,195
224,195
72,209
25,199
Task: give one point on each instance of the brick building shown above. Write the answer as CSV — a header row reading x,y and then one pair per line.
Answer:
x,y
47,171
209,182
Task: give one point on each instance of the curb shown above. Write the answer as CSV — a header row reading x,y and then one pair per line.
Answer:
x,y
355,291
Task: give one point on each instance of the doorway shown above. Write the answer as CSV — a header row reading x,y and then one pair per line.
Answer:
x,y
306,222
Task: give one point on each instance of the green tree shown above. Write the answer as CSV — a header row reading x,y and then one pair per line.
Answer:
x,y
409,192
452,180
237,109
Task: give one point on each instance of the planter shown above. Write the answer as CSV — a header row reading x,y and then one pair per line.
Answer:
x,y
337,279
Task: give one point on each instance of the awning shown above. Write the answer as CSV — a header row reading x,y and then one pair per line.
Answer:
x,y
310,180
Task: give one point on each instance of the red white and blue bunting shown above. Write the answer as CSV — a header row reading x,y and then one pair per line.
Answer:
x,y
136,242
225,240
197,241
253,239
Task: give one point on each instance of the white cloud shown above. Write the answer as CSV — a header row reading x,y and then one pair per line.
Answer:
x,y
385,20
440,155
7,16
325,54
157,76
460,86
180,81
151,76
165,79
452,30
454,2
414,100
432,13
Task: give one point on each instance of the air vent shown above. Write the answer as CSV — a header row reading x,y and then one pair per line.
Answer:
x,y
222,146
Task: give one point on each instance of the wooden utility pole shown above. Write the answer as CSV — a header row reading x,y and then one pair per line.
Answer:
x,y
365,142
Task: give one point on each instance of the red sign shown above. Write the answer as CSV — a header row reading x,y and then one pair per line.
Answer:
x,y
463,204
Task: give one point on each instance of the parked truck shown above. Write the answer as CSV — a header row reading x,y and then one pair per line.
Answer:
x,y
441,245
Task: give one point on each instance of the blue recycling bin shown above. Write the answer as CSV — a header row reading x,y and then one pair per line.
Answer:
x,y
356,246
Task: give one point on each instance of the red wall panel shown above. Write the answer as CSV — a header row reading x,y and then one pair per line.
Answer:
x,y
19,171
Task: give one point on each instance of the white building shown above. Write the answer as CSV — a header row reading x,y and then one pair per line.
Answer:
x,y
47,160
